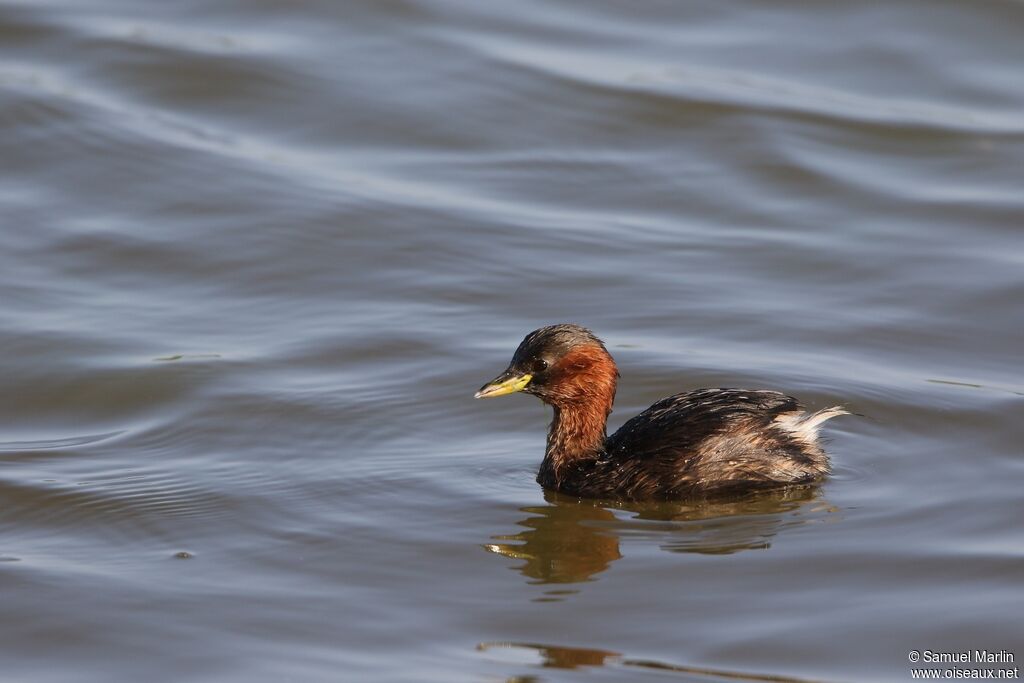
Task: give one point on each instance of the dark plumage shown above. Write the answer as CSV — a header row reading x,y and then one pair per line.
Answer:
x,y
698,442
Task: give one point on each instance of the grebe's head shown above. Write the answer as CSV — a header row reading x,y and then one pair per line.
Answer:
x,y
561,365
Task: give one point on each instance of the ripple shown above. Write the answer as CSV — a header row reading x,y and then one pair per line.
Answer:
x,y
61,443
122,503
727,90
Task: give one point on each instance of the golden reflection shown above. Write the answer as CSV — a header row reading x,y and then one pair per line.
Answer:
x,y
571,540
564,542
557,657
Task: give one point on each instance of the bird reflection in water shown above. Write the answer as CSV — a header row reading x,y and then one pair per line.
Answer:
x,y
572,541
564,542
556,657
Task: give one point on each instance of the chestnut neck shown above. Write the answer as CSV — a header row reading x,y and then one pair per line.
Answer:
x,y
582,401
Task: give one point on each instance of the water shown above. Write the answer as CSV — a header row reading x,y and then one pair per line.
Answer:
x,y
258,256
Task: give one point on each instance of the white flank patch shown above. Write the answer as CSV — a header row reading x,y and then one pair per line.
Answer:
x,y
805,426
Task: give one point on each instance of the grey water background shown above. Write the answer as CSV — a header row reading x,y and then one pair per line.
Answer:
x,y
257,257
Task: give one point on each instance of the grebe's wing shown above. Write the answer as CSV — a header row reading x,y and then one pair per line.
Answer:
x,y
680,423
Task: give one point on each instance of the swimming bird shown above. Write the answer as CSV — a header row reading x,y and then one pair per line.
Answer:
x,y
708,441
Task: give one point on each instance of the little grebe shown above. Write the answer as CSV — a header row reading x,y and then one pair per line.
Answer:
x,y
698,442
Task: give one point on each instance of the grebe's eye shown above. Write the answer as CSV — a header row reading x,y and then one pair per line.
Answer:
x,y
540,365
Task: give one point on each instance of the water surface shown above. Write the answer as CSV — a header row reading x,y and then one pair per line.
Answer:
x,y
258,257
